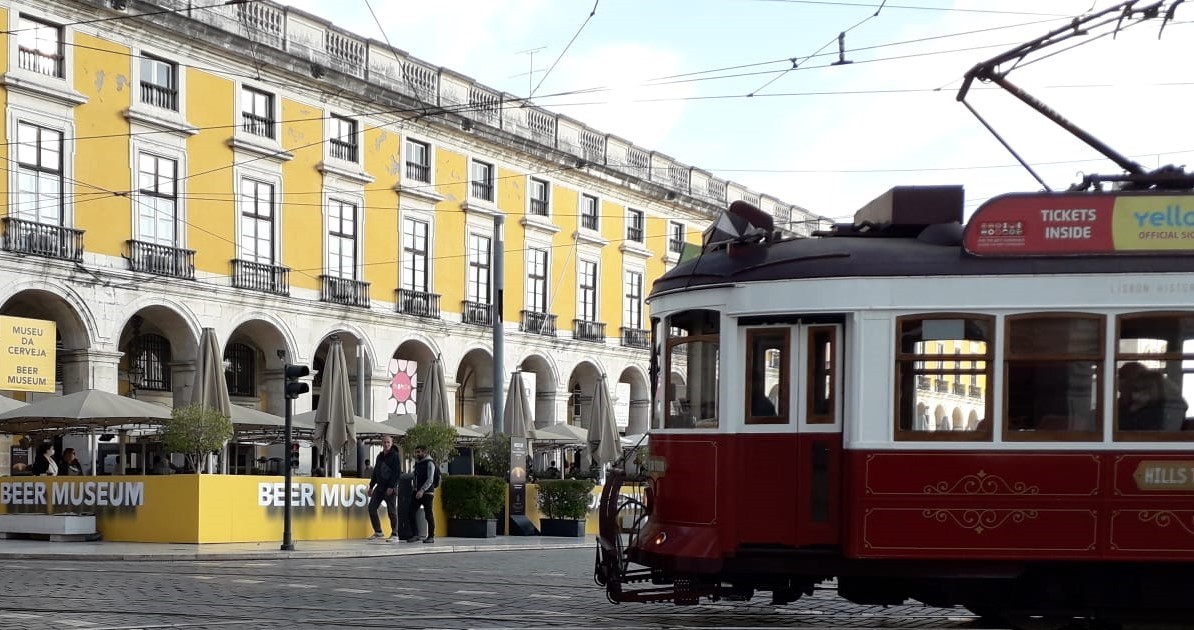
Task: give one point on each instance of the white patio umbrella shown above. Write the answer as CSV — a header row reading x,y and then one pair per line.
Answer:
x,y
518,409
88,408
334,417
604,446
209,388
8,404
486,419
432,405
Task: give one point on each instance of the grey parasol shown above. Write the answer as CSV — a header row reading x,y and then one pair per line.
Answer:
x,y
88,408
334,417
604,445
8,404
518,409
432,405
363,427
209,387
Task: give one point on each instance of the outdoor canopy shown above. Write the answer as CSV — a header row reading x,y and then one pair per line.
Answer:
x,y
90,408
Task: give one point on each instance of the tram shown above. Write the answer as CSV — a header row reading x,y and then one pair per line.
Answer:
x,y
993,416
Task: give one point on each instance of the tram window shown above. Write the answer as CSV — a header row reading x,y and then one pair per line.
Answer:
x,y
942,377
1154,366
1053,372
822,388
766,399
692,367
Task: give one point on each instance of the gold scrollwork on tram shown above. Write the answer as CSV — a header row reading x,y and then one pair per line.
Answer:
x,y
981,483
979,520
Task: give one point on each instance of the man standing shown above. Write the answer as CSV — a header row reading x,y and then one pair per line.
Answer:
x,y
383,486
424,495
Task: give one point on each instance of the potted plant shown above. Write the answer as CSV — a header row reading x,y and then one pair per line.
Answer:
x,y
195,431
471,505
564,506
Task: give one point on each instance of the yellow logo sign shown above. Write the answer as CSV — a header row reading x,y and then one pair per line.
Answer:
x,y
27,354
1165,475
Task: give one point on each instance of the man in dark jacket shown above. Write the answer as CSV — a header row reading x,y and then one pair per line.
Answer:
x,y
383,486
424,495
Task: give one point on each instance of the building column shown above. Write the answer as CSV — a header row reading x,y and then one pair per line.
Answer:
x,y
273,389
379,399
640,416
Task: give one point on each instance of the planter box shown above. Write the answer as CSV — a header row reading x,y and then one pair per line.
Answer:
x,y
562,527
472,528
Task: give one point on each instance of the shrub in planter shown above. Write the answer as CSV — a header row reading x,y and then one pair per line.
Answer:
x,y
471,504
564,504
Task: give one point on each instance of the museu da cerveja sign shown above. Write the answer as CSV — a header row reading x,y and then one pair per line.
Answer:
x,y
28,354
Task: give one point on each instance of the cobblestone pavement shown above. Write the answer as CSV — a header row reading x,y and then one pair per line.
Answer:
x,y
502,589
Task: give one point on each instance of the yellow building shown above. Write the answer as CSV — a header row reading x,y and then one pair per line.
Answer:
x,y
253,169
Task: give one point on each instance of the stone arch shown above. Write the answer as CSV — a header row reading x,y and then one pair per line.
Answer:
x,y
582,382
474,385
74,331
922,417
546,386
639,404
267,337
152,319
274,328
956,419
939,419
972,421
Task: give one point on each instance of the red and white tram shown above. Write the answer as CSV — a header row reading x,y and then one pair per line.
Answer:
x,y
992,417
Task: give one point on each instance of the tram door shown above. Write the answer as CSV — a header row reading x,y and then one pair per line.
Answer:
x,y
817,388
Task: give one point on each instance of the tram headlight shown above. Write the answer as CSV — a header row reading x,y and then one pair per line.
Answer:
x,y
659,538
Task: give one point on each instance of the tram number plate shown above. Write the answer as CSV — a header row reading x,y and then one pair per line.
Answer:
x,y
1162,475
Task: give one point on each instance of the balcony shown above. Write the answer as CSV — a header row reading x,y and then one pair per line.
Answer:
x,y
959,389
636,338
924,383
342,150
418,172
476,313
536,323
344,291
417,303
539,207
483,190
257,125
158,96
41,239
161,260
588,331
40,62
263,277
975,391
634,234
940,386
588,221
675,245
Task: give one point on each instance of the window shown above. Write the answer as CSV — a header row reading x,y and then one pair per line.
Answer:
x,y
539,191
924,356
257,112
39,175
537,280
343,142
822,379
414,255
586,290
257,221
634,225
691,369
478,268
240,370
342,240
151,363
159,83
675,237
767,376
1052,376
632,315
39,47
157,203
418,161
481,176
588,212
1154,362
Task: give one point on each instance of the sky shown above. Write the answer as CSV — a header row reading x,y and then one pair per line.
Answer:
x,y
828,137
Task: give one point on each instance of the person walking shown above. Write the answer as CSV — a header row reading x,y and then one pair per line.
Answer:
x,y
425,476
383,486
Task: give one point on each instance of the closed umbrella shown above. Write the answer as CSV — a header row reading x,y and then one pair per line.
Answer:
x,y
604,445
209,388
334,417
518,409
486,415
432,405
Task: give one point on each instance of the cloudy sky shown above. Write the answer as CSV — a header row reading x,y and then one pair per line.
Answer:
x,y
828,137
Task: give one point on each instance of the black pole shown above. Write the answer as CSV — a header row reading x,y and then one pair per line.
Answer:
x,y
287,538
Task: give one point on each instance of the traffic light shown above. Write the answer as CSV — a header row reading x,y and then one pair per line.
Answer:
x,y
295,387
294,455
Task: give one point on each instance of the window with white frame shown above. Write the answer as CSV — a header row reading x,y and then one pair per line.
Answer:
x,y
342,239
157,200
159,82
586,307
675,237
540,192
257,112
481,179
39,47
257,221
343,139
418,161
536,280
39,175
414,255
588,212
632,315
478,268
635,223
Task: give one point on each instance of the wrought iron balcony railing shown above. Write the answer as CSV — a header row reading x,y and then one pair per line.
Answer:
x,y
344,291
40,62
539,207
41,239
476,313
588,331
634,234
342,150
976,391
158,96
257,125
924,383
161,260
636,338
588,221
483,190
417,303
256,276
959,389
942,387
418,172
536,323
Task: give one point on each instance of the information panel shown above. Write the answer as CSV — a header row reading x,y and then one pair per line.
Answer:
x,y
28,355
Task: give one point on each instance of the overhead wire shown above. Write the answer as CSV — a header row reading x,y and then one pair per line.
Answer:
x,y
563,52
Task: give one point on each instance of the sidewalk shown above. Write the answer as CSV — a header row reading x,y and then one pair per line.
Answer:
x,y
43,550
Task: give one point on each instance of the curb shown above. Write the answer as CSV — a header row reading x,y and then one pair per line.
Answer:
x,y
367,550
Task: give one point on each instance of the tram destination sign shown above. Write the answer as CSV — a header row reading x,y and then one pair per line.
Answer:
x,y
1052,224
28,349
1165,475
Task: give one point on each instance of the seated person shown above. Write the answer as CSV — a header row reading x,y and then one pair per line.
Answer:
x,y
1152,403
161,466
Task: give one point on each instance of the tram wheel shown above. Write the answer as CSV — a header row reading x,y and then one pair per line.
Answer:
x,y
1037,622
